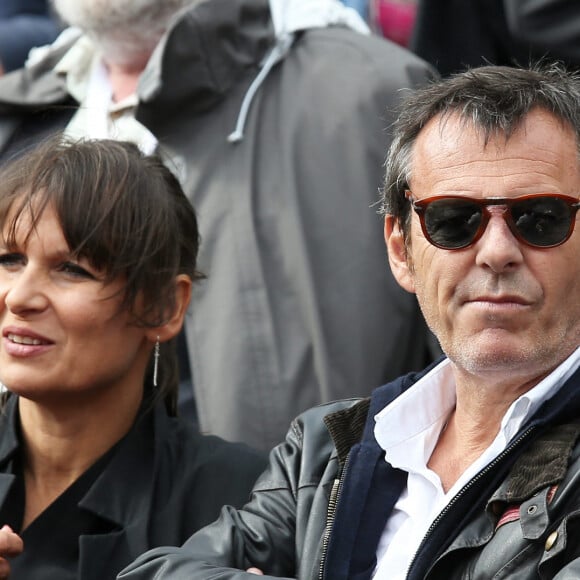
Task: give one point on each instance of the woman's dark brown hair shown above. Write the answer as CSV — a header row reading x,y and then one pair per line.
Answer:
x,y
123,211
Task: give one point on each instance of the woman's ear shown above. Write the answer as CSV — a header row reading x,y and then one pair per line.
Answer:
x,y
172,325
399,260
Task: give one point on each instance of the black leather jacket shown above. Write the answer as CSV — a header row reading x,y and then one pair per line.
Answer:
x,y
320,508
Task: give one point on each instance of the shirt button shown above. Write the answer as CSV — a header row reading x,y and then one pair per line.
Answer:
x,y
551,540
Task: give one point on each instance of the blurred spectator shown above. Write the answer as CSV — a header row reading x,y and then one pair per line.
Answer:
x,y
275,114
24,24
393,19
455,34
361,6
550,25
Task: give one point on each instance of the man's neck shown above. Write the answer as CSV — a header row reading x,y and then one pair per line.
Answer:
x,y
123,79
461,442
481,404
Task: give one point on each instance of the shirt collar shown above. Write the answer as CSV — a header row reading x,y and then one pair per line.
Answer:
x,y
82,67
422,410
427,403
77,66
525,406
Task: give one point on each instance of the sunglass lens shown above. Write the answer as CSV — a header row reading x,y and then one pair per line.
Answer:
x,y
543,221
452,224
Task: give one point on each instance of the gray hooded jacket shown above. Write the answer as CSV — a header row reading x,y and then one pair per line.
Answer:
x,y
275,118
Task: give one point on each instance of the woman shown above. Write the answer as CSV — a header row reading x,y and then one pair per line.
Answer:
x,y
98,248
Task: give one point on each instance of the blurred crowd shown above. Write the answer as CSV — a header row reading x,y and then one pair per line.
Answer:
x,y
273,117
24,25
450,35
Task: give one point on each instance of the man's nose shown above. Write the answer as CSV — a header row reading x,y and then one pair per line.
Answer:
x,y
498,248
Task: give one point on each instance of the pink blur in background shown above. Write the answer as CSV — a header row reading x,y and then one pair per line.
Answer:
x,y
394,19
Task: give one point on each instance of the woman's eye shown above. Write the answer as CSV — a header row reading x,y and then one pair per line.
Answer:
x,y
76,270
9,259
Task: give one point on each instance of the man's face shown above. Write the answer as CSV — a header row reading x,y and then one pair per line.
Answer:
x,y
126,31
498,305
104,16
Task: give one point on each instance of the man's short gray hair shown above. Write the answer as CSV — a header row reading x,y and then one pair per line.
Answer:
x,y
492,99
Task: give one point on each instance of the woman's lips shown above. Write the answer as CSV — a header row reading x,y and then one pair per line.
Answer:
x,y
23,343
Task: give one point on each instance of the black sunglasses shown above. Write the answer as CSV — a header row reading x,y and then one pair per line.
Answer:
x,y
453,222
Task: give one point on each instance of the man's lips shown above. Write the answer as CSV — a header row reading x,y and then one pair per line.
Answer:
x,y
500,300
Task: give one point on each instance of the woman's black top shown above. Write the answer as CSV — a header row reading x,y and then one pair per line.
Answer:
x,y
51,540
158,485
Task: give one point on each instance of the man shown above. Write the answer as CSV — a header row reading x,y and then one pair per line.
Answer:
x,y
470,469
274,114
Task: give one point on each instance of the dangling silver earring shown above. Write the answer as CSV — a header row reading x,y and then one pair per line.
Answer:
x,y
155,362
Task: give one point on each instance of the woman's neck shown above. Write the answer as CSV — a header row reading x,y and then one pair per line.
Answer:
x,y
61,441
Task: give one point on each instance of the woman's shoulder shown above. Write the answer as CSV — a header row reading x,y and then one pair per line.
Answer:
x,y
185,444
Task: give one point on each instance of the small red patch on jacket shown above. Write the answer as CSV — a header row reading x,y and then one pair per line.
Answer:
x,y
512,512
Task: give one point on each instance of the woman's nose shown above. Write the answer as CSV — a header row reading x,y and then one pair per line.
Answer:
x,y
24,290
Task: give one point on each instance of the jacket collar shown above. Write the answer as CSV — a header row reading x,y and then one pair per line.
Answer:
x,y
9,444
364,500
131,464
131,474
355,424
122,494
206,52
543,464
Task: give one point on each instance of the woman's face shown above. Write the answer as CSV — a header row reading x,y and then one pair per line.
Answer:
x,y
62,333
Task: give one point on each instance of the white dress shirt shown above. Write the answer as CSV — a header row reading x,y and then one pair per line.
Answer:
x,y
98,116
408,430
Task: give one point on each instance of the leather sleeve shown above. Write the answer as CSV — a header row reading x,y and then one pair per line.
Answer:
x,y
279,530
262,534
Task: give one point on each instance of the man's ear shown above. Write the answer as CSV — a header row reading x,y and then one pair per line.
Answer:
x,y
171,327
397,251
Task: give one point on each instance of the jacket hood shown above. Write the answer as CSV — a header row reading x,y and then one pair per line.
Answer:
x,y
290,17
209,46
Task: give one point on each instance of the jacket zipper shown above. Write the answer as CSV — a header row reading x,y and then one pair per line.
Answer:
x,y
331,512
462,491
